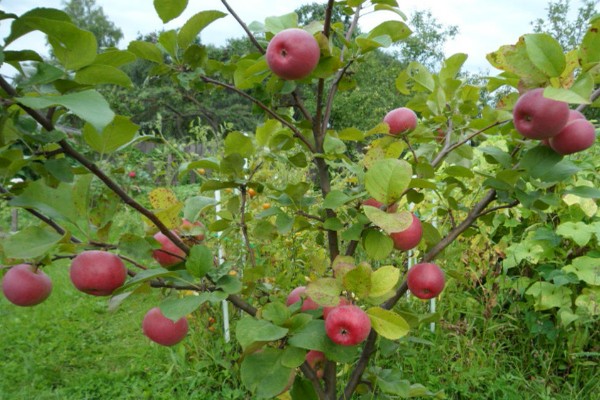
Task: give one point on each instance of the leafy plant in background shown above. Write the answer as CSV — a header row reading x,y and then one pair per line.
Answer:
x,y
463,171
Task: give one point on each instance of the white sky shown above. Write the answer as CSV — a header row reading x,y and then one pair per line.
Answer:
x,y
484,25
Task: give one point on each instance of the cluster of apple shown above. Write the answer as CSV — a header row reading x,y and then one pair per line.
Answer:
x,y
566,131
169,255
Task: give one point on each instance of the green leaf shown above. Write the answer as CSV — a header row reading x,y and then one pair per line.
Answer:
x,y
378,245
238,143
230,284
589,300
56,203
264,374
566,95
277,24
250,330
303,390
548,295
586,268
168,10
30,242
168,41
60,169
452,66
387,323
324,291
293,357
545,53
97,74
115,58
275,312
147,51
145,276
389,222
387,179
383,280
585,191
88,105
544,164
336,199
175,308
351,134
116,134
194,206
200,261
396,30
195,25
589,51
358,280
20,26
312,336
514,59
579,232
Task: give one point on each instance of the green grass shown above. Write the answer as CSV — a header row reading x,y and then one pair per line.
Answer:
x,y
72,347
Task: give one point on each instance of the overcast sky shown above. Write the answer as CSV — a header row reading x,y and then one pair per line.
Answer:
x,y
484,24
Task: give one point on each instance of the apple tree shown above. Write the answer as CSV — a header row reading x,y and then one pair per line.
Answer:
x,y
362,204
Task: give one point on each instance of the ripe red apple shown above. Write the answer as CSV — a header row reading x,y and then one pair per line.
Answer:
x,y
24,285
343,302
196,229
316,360
132,174
425,280
162,330
410,237
347,325
401,120
169,254
293,54
579,134
298,294
538,117
97,272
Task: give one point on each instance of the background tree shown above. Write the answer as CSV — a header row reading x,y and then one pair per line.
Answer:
x,y
87,15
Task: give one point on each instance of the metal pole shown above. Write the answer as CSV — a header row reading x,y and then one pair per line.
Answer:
x,y
224,305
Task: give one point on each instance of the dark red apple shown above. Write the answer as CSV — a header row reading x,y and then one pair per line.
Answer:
x,y
24,285
425,280
316,360
299,294
347,325
401,120
293,54
410,237
162,330
538,117
97,272
169,254
579,134
343,302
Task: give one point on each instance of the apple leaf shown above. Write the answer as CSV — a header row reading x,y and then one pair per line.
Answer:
x,y
396,30
38,241
312,336
97,74
387,179
293,357
545,53
250,330
336,199
168,10
115,135
383,280
229,284
566,95
389,222
144,276
195,25
146,50
264,374
358,280
586,268
175,308
277,24
387,323
303,389
275,312
53,202
377,244
200,261
237,142
324,291
589,51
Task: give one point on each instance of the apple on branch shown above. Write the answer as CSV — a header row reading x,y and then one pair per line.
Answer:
x,y
316,359
25,285
401,120
293,54
410,237
97,272
162,330
299,294
538,117
425,280
168,254
347,325
577,135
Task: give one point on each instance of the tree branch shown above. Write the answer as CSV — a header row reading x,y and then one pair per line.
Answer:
x,y
244,27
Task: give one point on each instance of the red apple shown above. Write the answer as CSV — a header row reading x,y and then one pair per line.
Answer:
x,y
97,272
410,237
538,117
316,360
293,54
401,120
425,280
578,135
373,203
347,325
196,229
298,294
343,302
132,174
24,285
169,254
162,330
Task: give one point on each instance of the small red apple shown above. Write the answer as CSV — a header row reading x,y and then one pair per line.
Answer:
x,y
538,117
579,134
24,285
162,330
373,203
97,272
196,229
410,237
293,54
316,360
343,302
132,174
347,325
298,294
401,120
425,280
169,254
